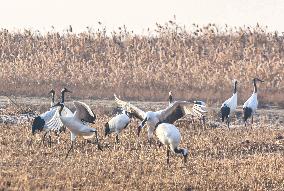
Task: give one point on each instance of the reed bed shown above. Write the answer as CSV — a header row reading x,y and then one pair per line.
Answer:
x,y
195,64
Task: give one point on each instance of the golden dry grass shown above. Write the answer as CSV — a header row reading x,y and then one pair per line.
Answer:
x,y
197,64
219,159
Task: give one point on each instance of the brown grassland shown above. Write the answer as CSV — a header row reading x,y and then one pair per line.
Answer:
x,y
196,64
219,158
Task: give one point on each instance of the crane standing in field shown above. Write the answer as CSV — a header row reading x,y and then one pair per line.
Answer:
x,y
250,106
170,136
76,123
118,123
229,106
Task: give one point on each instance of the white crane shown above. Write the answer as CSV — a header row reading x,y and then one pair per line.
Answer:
x,y
43,121
117,124
229,106
250,106
170,136
76,123
169,115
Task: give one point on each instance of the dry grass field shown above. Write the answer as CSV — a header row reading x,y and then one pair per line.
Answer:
x,y
219,158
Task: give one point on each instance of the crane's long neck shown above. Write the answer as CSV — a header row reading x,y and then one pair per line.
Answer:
x,y
62,96
255,88
235,87
52,99
60,109
170,99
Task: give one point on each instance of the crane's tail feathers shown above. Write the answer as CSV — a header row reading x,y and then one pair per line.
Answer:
x,y
225,112
38,124
247,113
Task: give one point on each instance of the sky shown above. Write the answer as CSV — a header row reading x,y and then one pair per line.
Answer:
x,y
138,15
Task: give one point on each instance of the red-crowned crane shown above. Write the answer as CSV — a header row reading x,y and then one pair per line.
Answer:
x,y
250,106
230,105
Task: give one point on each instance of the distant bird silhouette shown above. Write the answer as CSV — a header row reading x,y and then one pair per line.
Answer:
x,y
170,98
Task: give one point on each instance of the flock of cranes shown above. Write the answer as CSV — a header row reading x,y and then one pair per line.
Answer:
x,y
159,122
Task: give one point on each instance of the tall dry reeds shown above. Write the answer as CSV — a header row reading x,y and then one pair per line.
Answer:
x,y
196,64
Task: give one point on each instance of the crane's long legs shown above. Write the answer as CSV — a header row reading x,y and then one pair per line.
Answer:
x,y
43,138
251,121
203,121
185,158
71,148
116,139
58,138
97,140
150,141
49,140
228,122
168,155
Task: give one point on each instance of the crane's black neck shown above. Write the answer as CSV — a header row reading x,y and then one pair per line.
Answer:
x,y
235,87
52,98
62,96
254,84
170,98
60,109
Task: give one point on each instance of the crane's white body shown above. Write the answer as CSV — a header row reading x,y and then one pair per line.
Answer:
x,y
118,123
74,123
232,103
169,135
252,103
77,128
